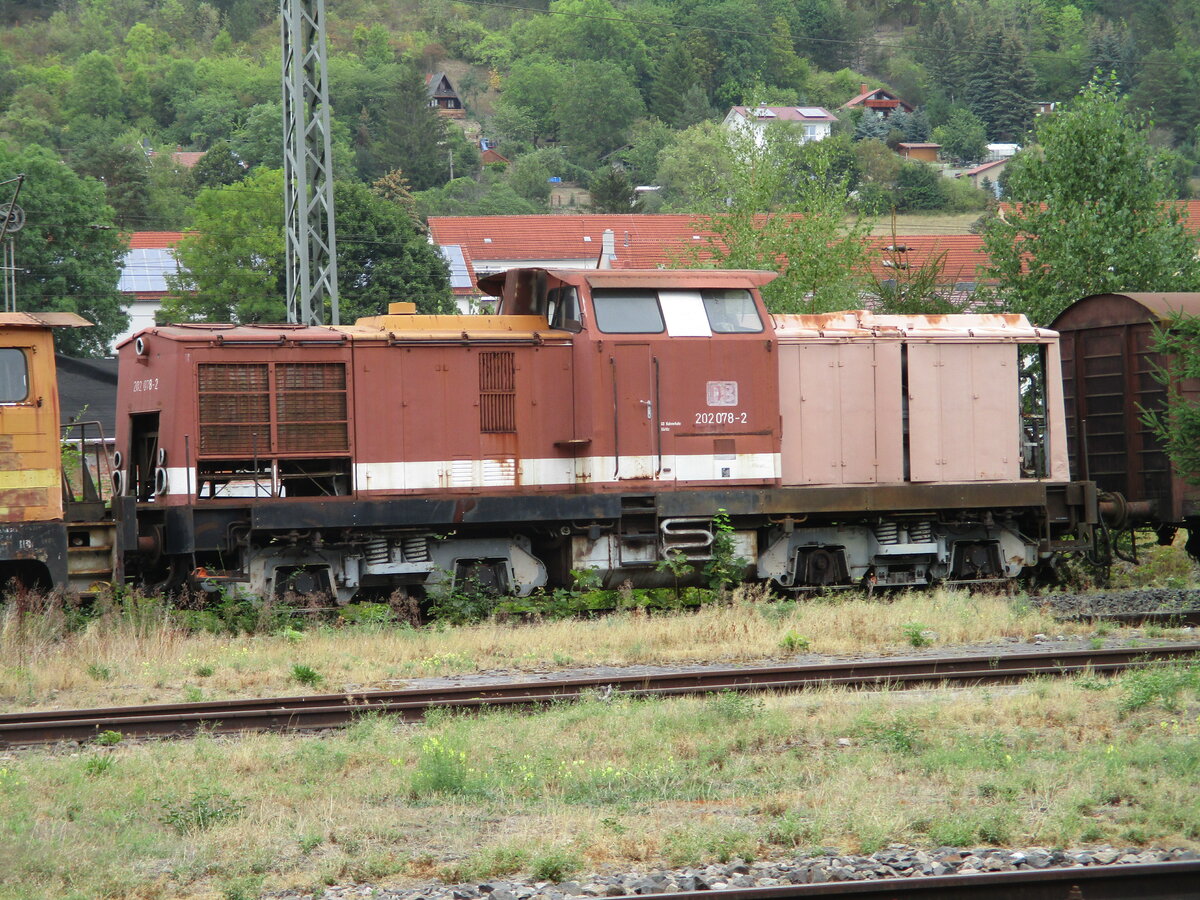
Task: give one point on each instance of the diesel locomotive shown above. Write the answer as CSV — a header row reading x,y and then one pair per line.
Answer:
x,y
597,421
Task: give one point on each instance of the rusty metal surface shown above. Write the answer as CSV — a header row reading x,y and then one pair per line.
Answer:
x,y
1125,309
554,508
325,710
41,542
981,327
43,320
31,473
1109,367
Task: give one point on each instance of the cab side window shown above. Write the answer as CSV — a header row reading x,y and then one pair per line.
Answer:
x,y
563,309
14,375
731,311
627,312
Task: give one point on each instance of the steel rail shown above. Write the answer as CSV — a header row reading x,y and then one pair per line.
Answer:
x,y
329,710
1145,881
1167,619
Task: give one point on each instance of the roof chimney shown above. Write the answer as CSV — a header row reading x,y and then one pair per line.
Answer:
x,y
608,249
864,88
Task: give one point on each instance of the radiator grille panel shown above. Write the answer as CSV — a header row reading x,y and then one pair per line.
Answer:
x,y
497,392
235,416
239,415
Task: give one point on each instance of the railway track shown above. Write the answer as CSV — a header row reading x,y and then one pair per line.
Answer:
x,y
332,710
1175,619
1150,881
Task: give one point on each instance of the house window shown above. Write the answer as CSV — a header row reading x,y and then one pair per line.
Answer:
x,y
812,132
14,375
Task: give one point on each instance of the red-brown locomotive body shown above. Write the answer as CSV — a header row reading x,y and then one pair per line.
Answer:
x,y
598,421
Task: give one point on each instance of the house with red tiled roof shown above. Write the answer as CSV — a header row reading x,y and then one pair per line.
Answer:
x,y
144,270
989,170
879,100
814,123
490,157
185,159
480,245
961,257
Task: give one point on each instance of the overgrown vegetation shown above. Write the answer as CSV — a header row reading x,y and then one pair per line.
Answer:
x,y
131,648
612,782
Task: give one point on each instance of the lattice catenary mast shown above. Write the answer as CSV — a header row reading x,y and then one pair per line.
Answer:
x,y
307,165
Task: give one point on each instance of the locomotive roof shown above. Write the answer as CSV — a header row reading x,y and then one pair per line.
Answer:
x,y
373,328
43,320
956,326
646,278
209,332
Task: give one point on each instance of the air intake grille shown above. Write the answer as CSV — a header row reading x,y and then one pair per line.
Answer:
x,y
497,392
235,417
311,407
239,415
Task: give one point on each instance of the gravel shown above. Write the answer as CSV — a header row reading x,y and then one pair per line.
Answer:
x,y
1127,601
897,861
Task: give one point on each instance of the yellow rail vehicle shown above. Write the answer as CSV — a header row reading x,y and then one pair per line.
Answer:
x,y
40,545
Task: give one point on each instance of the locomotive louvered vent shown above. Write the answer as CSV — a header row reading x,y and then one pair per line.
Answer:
x,y
235,409
309,409
497,392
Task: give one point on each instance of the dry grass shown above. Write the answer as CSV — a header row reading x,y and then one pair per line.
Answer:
x,y
146,658
936,223
620,783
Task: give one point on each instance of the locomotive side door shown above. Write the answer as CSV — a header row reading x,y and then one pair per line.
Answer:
x,y
635,411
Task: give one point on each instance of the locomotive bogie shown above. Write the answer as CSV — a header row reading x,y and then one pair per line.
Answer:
x,y
895,552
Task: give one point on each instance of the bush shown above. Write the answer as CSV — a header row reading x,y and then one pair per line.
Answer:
x,y
875,199
962,196
306,675
919,186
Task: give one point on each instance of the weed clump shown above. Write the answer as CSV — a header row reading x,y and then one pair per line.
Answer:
x,y
1160,685
201,811
306,675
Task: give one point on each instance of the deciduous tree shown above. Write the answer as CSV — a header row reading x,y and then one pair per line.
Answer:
x,y
1091,214
786,210
69,253
233,267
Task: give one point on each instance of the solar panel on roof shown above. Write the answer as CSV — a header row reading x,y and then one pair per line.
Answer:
x,y
459,276
146,270
814,112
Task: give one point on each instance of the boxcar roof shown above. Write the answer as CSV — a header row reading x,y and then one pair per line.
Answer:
x,y
861,323
1098,310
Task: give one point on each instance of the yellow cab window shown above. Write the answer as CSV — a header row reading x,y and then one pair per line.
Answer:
x,y
14,375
